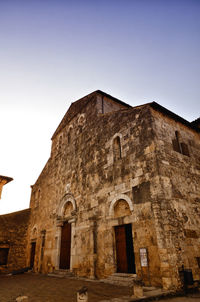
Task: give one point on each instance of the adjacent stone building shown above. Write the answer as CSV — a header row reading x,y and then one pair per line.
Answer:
x,y
13,240
119,193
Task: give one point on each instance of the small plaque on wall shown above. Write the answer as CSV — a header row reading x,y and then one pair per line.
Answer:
x,y
143,257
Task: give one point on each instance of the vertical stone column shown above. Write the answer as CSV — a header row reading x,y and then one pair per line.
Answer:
x,y
59,225
162,249
93,242
73,243
43,234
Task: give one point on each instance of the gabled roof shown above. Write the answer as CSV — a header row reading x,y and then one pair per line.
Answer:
x,y
77,106
112,98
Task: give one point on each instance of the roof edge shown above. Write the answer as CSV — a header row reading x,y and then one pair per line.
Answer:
x,y
113,98
173,115
86,96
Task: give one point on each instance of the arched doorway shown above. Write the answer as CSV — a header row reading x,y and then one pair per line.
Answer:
x,y
65,223
125,258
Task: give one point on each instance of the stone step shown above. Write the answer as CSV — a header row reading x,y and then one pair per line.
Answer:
x,y
151,293
55,275
61,273
149,288
120,279
124,275
119,283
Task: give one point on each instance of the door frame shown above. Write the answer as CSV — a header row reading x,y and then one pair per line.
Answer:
x,y
59,225
66,222
32,254
131,265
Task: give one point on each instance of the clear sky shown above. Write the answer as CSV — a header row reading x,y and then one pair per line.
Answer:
x,y
53,52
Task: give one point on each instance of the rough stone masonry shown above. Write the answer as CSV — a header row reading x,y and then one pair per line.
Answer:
x,y
119,194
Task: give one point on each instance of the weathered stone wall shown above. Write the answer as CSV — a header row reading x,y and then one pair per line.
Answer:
x,y
105,104
178,201
113,169
85,168
13,236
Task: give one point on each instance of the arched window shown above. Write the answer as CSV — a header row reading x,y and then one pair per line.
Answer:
x,y
117,148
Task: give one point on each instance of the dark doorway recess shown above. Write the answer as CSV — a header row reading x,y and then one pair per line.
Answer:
x,y
4,256
124,249
32,258
65,247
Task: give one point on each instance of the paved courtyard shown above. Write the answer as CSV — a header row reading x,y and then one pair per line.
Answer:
x,y
41,288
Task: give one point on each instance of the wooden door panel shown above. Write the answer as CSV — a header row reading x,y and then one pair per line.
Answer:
x,y
120,237
65,246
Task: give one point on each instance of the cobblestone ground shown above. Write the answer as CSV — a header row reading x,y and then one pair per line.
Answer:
x,y
41,288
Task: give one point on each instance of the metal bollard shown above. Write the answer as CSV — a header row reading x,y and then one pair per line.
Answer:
x,y
82,294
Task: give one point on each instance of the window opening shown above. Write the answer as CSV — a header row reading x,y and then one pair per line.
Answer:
x,y
117,148
179,146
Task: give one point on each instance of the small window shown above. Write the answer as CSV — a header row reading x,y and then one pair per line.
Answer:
x,y
117,148
179,146
4,256
37,197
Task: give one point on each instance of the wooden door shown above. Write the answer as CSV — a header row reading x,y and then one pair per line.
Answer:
x,y
120,237
65,247
124,249
32,257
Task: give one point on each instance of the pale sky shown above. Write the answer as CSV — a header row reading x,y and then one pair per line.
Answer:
x,y
54,52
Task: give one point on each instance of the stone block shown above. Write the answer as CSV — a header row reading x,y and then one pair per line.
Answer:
x,y
167,283
139,172
137,288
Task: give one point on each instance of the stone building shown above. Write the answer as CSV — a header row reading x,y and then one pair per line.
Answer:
x,y
13,240
13,236
119,193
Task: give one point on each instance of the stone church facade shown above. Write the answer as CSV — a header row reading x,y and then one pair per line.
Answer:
x,y
119,193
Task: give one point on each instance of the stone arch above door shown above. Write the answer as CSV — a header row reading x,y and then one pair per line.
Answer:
x,y
67,206
121,208
124,202
34,232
